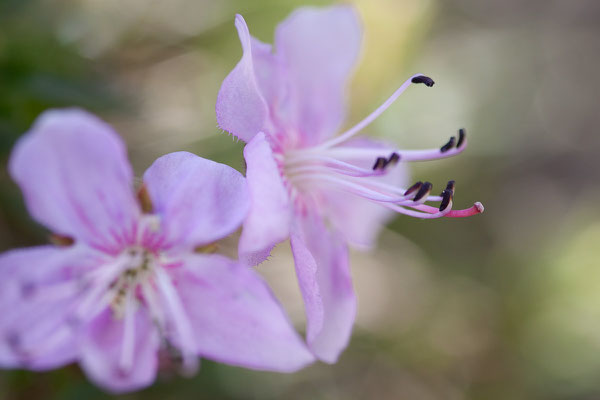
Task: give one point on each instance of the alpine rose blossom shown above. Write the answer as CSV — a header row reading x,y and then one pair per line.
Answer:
x,y
127,281
320,190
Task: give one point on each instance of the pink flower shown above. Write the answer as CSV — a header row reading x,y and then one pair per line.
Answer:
x,y
127,282
319,190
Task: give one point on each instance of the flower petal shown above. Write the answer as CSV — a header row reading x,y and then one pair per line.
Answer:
x,y
102,345
269,73
236,318
38,292
321,259
75,177
199,201
357,219
241,108
269,218
319,47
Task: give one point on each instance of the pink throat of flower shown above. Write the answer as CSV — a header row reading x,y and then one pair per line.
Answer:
x,y
334,166
139,278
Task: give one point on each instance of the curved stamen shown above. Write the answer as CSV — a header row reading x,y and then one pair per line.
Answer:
x,y
418,78
413,197
128,343
373,153
423,192
384,187
446,200
394,159
352,187
306,173
362,190
152,304
461,137
181,321
315,168
450,186
427,81
380,163
99,282
448,145
329,163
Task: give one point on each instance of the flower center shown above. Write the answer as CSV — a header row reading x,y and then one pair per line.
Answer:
x,y
135,282
141,277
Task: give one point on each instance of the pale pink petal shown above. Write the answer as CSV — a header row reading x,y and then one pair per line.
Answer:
x,y
269,219
38,293
356,218
75,177
236,318
319,47
199,201
323,271
102,346
241,108
269,73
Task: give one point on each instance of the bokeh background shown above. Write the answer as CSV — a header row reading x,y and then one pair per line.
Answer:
x,y
505,305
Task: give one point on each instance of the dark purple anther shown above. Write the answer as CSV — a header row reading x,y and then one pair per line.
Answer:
x,y
461,137
427,81
448,145
413,188
423,191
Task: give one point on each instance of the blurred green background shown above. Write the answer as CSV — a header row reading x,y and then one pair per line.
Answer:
x,y
505,305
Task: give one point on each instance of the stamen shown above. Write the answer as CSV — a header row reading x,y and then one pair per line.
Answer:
x,y
375,114
394,159
380,163
128,343
384,196
446,200
385,188
366,190
153,304
323,165
326,164
427,81
413,188
461,137
355,153
448,145
181,321
100,281
424,190
450,186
